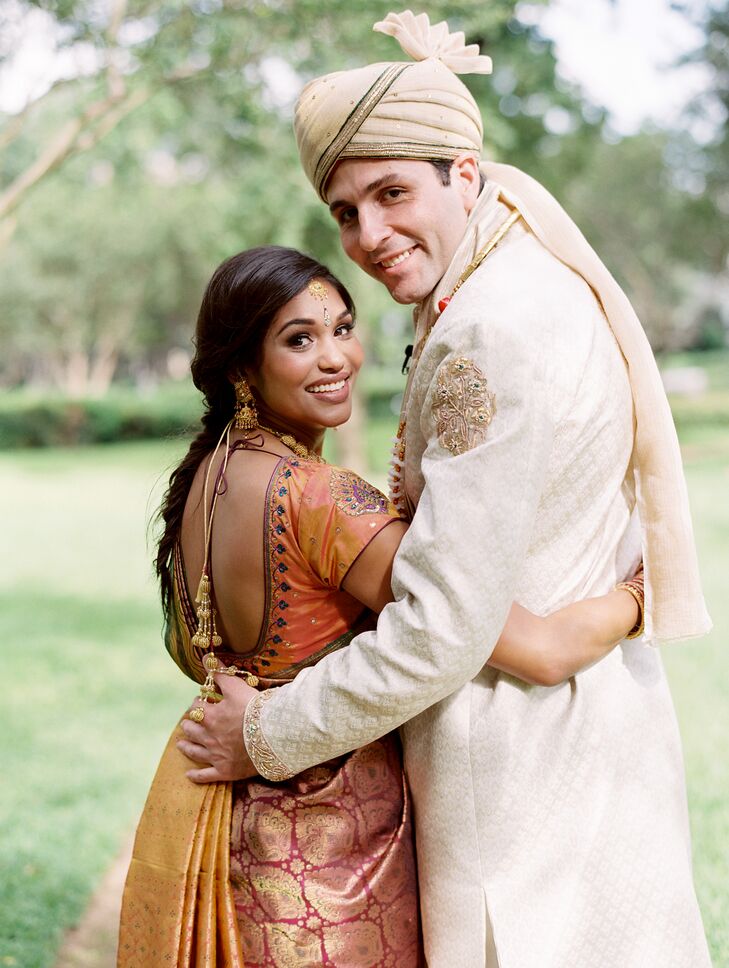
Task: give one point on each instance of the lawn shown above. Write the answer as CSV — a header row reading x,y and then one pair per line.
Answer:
x,y
90,695
89,691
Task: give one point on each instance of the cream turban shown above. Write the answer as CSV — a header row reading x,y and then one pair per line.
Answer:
x,y
414,109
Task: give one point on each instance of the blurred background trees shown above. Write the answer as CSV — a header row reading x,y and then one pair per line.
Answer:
x,y
165,146
170,148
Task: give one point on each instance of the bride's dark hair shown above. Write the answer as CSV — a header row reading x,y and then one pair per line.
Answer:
x,y
239,304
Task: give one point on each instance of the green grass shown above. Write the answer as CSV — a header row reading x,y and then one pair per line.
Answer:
x,y
698,675
90,696
714,362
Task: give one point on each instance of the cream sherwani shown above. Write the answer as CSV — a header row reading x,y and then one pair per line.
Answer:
x,y
557,815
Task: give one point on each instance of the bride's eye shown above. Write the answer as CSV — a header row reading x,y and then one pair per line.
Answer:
x,y
298,340
344,329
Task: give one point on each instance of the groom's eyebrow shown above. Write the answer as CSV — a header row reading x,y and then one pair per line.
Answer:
x,y
390,179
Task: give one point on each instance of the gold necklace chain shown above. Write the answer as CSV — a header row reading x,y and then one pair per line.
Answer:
x,y
288,440
397,461
467,272
471,268
487,249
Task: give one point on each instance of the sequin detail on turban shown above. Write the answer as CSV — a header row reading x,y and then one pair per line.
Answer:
x,y
414,109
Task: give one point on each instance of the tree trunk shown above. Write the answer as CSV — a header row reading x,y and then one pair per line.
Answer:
x,y
76,374
103,368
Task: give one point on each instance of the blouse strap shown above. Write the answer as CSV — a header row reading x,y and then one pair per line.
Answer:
x,y
206,635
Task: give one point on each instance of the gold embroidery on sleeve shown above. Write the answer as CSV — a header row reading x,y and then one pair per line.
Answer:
x,y
261,754
355,496
463,405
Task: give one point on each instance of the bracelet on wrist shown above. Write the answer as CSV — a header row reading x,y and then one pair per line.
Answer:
x,y
635,587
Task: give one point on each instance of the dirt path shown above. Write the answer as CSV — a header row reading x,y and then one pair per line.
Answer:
x,y
92,943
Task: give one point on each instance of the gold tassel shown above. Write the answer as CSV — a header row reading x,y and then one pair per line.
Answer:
x,y
206,636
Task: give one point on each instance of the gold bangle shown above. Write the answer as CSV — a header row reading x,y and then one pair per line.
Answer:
x,y
635,588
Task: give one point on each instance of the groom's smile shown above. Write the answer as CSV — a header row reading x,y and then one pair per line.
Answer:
x,y
399,222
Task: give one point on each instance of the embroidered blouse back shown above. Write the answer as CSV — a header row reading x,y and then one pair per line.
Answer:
x,y
317,520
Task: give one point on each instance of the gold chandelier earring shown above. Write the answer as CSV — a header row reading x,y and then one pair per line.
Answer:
x,y
246,415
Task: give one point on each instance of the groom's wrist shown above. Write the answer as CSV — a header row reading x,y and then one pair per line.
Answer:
x,y
264,759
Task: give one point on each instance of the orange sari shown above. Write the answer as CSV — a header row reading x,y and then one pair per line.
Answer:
x,y
319,869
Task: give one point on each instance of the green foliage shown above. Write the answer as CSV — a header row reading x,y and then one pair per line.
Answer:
x,y
53,421
711,331
708,161
104,273
707,410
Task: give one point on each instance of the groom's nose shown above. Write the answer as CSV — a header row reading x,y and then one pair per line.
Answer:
x,y
373,228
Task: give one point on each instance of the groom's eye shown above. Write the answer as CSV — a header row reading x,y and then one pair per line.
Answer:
x,y
347,215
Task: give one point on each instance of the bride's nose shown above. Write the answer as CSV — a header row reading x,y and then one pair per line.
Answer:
x,y
331,357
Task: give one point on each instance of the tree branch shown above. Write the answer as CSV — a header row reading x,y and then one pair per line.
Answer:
x,y
54,154
16,123
113,73
84,132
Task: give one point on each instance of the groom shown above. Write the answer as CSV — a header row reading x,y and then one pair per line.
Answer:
x,y
537,459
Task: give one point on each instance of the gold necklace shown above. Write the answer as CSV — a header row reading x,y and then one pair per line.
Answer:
x,y
486,250
288,440
397,460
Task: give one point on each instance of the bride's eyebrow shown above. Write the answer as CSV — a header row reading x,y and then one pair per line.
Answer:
x,y
309,322
296,322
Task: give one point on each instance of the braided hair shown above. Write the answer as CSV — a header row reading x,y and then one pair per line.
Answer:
x,y
240,302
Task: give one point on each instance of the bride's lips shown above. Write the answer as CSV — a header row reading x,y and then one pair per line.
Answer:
x,y
333,391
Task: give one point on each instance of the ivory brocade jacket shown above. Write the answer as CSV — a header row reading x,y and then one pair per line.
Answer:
x,y
555,815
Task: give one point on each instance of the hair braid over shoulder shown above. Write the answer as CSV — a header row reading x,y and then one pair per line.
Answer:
x,y
241,300
213,421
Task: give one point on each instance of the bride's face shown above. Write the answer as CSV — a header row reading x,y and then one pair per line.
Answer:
x,y
310,360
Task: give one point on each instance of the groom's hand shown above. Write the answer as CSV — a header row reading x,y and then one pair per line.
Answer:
x,y
217,741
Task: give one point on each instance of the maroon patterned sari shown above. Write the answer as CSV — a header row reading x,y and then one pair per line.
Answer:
x,y
321,866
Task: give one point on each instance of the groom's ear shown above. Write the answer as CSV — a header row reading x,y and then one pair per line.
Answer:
x,y
466,179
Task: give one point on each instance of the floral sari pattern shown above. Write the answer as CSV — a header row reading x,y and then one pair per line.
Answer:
x,y
322,866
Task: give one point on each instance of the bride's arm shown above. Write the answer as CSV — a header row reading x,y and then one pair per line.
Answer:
x,y
547,650
541,650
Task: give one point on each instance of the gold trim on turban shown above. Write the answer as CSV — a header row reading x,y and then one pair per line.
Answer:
x,y
354,122
417,110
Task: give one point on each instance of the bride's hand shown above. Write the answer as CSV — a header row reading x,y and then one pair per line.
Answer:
x,y
217,741
548,650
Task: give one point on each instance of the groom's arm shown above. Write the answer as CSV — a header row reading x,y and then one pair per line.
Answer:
x,y
470,532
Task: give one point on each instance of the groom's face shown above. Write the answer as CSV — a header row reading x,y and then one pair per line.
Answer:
x,y
399,222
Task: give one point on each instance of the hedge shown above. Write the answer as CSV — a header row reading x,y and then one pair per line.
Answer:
x,y
32,421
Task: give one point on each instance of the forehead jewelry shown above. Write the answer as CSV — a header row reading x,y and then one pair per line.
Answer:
x,y
319,291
